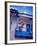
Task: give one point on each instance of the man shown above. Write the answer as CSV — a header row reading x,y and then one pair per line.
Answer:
x,y
22,24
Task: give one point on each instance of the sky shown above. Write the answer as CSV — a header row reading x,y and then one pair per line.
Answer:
x,y
24,9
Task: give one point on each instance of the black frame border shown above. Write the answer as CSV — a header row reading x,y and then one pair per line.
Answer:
x,y
6,22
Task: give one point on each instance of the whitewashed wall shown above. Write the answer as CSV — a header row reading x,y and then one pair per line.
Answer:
x,y
36,22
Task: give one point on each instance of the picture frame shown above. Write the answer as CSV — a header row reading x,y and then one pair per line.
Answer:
x,y
20,22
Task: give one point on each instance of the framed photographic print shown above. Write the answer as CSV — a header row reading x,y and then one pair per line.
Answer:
x,y
20,22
